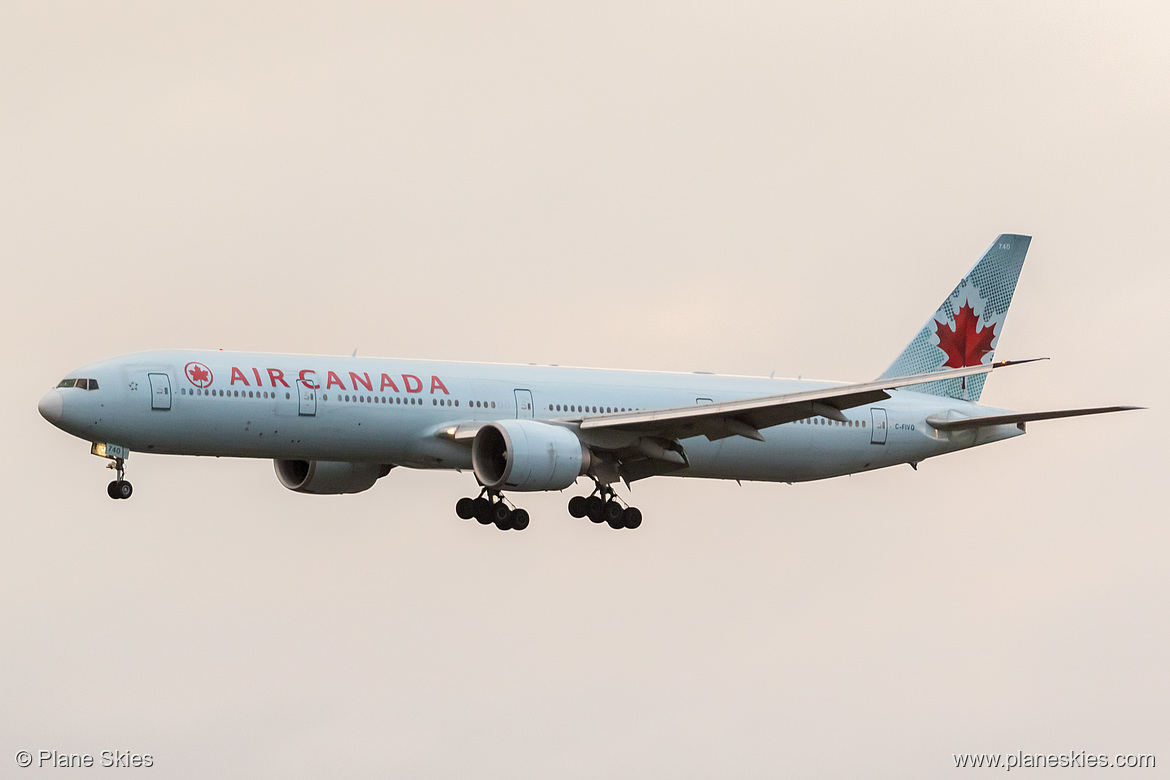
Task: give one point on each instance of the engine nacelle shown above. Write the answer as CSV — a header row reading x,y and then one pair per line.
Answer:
x,y
527,455
325,477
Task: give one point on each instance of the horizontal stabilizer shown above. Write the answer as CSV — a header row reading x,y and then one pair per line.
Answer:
x,y
970,423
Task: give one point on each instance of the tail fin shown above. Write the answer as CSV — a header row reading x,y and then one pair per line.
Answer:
x,y
968,324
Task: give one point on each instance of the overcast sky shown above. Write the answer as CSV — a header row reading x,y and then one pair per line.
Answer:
x,y
731,187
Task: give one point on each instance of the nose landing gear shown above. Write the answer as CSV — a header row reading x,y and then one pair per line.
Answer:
x,y
489,508
120,487
602,506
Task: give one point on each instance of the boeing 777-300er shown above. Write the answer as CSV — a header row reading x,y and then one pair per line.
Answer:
x,y
336,425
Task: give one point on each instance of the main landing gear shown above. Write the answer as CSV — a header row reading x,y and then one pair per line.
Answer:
x,y
602,506
489,508
119,488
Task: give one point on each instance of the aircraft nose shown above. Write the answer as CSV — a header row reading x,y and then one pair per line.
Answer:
x,y
51,406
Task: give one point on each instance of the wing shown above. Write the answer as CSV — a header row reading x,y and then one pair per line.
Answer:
x,y
746,417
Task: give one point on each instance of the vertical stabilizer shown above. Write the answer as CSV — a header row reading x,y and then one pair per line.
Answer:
x,y
968,324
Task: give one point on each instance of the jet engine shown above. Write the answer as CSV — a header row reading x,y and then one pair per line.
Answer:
x,y
527,455
324,477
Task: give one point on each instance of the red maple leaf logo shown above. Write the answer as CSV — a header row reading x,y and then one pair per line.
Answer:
x,y
966,344
198,374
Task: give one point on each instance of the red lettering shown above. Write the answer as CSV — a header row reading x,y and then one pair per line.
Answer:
x,y
412,387
259,381
313,385
356,378
238,374
387,382
276,375
334,379
437,384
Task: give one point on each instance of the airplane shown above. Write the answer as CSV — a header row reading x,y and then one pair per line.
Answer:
x,y
335,425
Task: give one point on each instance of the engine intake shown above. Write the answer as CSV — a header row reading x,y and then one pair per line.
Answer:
x,y
325,477
527,455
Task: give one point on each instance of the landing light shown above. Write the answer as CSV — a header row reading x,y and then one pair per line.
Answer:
x,y
111,451
450,432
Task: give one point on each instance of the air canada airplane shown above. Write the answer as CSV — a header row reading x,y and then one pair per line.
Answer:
x,y
336,425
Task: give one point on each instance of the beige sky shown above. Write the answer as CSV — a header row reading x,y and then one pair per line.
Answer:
x,y
740,188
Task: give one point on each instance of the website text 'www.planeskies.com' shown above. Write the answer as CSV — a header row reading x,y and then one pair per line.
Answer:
x,y
1069,760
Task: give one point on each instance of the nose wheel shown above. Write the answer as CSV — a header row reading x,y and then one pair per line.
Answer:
x,y
490,508
120,487
603,506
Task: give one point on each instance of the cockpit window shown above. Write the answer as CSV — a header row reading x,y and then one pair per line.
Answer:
x,y
84,384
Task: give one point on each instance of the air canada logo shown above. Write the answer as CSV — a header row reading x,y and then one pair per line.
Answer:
x,y
198,374
966,343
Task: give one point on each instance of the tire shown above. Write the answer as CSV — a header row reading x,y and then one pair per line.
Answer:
x,y
112,489
500,513
632,517
613,514
482,510
502,516
577,506
125,489
595,509
520,519
465,508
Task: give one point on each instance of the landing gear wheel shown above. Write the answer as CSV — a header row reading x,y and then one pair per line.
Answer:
x,y
465,508
595,509
519,519
483,510
613,514
119,488
501,516
632,517
578,506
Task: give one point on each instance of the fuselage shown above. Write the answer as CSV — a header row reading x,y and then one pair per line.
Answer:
x,y
394,412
